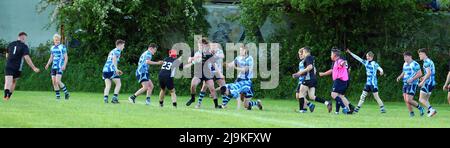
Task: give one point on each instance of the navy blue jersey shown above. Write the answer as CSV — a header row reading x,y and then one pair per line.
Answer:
x,y
169,66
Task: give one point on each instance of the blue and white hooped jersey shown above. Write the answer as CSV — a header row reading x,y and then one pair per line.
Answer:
x,y
301,66
142,65
242,62
410,71
371,72
428,63
109,66
239,87
58,52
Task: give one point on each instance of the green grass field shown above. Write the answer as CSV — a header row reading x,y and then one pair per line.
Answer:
x,y
40,109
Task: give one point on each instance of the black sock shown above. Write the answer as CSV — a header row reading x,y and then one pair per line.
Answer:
x,y
193,97
6,93
338,106
133,97
301,103
174,104
216,103
161,103
320,100
115,95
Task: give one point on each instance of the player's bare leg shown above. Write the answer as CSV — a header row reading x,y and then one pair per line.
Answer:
x,y
55,83
8,90
106,90
380,103
174,97
162,94
62,87
118,84
312,96
425,100
195,81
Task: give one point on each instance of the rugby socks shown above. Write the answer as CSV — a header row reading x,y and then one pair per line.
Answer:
x,y
65,90
309,104
115,97
225,100
252,103
192,97
174,104
201,96
320,100
216,102
105,98
161,103
134,97
58,95
6,93
301,103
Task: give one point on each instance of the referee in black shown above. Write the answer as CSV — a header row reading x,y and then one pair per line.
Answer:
x,y
15,54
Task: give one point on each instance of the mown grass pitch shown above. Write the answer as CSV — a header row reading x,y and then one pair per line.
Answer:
x,y
40,109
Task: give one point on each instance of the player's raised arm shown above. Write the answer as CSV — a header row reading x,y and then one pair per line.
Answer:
x,y
30,63
355,56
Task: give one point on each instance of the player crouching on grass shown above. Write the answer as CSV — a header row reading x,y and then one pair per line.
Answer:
x,y
309,82
112,73
235,90
142,74
166,75
410,77
371,82
59,58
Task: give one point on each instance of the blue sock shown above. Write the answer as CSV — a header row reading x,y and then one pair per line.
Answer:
x,y
225,100
252,103
309,104
201,96
57,94
105,97
65,90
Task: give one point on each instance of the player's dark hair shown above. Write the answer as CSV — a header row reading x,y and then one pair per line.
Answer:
x,y
152,45
120,42
223,89
204,41
336,51
424,50
23,33
407,53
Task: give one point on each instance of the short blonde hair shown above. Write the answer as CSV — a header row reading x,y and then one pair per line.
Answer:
x,y
57,36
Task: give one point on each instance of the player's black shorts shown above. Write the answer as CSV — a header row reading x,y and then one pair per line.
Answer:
x,y
310,83
13,72
340,86
110,75
54,72
166,82
370,88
